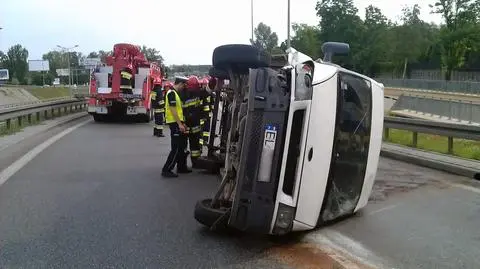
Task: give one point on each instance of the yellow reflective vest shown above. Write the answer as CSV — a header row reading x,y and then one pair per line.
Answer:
x,y
168,114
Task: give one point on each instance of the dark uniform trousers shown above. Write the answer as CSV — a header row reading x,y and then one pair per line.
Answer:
x,y
192,118
158,106
158,115
207,107
177,155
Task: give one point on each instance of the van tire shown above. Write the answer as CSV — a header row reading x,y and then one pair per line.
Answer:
x,y
218,73
209,216
239,58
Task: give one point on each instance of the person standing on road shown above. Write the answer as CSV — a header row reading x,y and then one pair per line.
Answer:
x,y
175,119
158,106
193,114
207,108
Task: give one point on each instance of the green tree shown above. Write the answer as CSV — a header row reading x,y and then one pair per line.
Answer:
x,y
93,54
3,60
152,54
373,55
460,34
340,22
56,60
17,62
265,39
104,54
305,39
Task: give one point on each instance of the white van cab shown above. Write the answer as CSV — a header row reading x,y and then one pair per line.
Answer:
x,y
303,142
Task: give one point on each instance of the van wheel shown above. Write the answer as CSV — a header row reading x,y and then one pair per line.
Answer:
x,y
239,57
208,216
218,73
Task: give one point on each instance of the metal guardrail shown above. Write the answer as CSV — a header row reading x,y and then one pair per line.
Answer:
x,y
450,130
466,87
19,113
32,103
457,110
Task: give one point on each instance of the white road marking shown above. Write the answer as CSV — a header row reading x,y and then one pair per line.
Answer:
x,y
25,159
383,209
345,250
460,186
465,187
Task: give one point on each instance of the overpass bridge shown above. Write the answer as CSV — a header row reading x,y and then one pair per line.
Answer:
x,y
74,193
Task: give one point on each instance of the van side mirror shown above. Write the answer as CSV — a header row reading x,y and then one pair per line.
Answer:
x,y
331,48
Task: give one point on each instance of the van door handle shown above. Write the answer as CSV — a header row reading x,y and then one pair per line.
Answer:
x,y
310,154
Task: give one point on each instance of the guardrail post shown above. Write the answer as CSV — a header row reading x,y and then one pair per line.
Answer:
x,y
450,109
45,114
414,139
450,145
471,112
19,120
59,111
29,118
71,109
8,123
53,113
38,116
386,133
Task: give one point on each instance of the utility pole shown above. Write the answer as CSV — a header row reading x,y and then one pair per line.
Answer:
x,y
68,61
251,13
288,25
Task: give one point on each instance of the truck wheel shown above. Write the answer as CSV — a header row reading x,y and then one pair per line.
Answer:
x,y
218,73
209,216
239,57
98,118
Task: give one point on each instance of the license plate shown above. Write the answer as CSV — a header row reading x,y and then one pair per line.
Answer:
x,y
131,111
102,110
130,96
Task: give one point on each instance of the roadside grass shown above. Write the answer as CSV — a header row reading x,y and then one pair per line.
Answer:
x,y
49,92
468,149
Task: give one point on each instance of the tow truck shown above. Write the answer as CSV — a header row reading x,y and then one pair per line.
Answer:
x,y
302,141
106,98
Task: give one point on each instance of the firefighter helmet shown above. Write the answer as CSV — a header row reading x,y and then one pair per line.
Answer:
x,y
168,84
193,83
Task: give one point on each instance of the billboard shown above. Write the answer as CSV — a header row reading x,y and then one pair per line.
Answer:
x,y
63,72
38,65
4,74
90,62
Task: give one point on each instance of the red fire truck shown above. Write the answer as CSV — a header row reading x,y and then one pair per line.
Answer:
x,y
108,97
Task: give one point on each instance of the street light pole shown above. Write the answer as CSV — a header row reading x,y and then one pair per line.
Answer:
x,y
288,25
251,13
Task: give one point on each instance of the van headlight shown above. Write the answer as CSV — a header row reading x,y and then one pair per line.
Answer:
x,y
284,221
303,83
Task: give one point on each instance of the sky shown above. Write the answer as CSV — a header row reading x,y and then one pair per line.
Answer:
x,y
184,31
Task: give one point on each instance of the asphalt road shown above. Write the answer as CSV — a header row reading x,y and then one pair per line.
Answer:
x,y
95,199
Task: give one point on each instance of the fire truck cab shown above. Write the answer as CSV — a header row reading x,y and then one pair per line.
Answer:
x,y
121,87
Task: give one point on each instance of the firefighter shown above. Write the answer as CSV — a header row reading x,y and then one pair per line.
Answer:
x,y
174,117
158,106
126,81
206,109
193,115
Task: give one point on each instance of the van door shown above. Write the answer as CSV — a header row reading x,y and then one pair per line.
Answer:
x,y
318,150
350,147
